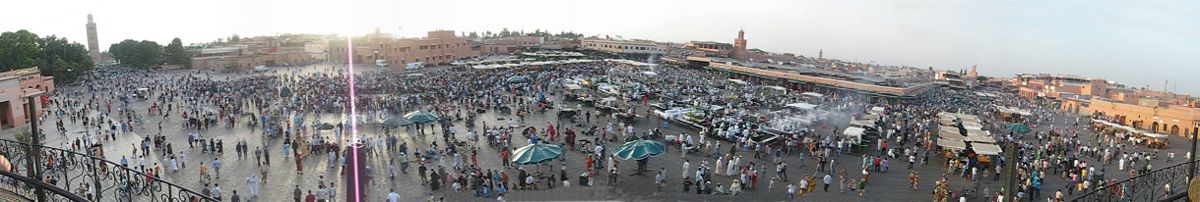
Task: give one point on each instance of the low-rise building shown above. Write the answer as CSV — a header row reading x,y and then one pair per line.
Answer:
x,y
622,46
440,46
511,44
15,87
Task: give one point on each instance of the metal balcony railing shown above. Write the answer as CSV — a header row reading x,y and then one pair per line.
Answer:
x,y
85,176
1150,186
28,187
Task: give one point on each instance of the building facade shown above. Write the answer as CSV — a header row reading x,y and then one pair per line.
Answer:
x,y
440,46
622,46
1152,111
316,50
507,45
711,48
15,87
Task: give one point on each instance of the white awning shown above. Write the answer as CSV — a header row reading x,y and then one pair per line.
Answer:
x,y
951,144
812,94
803,106
854,134
948,129
854,131
877,110
781,88
986,149
573,86
738,81
979,138
650,73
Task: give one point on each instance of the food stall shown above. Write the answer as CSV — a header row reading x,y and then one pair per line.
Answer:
x,y
984,152
1131,134
854,135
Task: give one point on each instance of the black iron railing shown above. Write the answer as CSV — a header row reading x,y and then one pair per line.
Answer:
x,y
89,177
1150,186
27,187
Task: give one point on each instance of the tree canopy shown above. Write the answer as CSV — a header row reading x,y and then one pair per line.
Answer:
x,y
177,55
138,54
54,56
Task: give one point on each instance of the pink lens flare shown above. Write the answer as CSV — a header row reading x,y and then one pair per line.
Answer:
x,y
353,118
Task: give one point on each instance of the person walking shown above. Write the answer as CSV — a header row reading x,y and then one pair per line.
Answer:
x,y
828,179
791,190
296,194
217,167
393,197
659,181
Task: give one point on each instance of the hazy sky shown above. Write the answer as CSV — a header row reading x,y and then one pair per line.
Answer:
x,y
1139,43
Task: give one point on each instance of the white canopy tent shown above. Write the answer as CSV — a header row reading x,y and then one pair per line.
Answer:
x,y
738,81
573,86
1130,129
978,139
1013,110
986,148
812,94
953,144
854,134
802,106
948,129
876,110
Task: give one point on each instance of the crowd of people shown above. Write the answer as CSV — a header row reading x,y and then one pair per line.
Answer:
x,y
723,156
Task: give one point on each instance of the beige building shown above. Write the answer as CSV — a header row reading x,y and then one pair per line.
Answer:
x,y
506,45
441,46
15,86
1149,110
622,46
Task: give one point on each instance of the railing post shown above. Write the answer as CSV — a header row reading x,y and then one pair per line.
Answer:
x,y
95,169
1153,186
35,154
1192,158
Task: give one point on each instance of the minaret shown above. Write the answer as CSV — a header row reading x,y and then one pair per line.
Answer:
x,y
821,54
739,46
972,73
93,41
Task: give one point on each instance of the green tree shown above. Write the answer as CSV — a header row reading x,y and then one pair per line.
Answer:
x,y
63,59
177,55
18,50
54,56
139,54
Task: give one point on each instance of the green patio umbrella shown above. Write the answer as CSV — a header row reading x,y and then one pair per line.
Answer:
x,y
397,121
639,149
325,126
536,153
421,117
1018,128
518,79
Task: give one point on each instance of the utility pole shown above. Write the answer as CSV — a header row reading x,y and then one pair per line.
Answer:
x,y
1010,184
